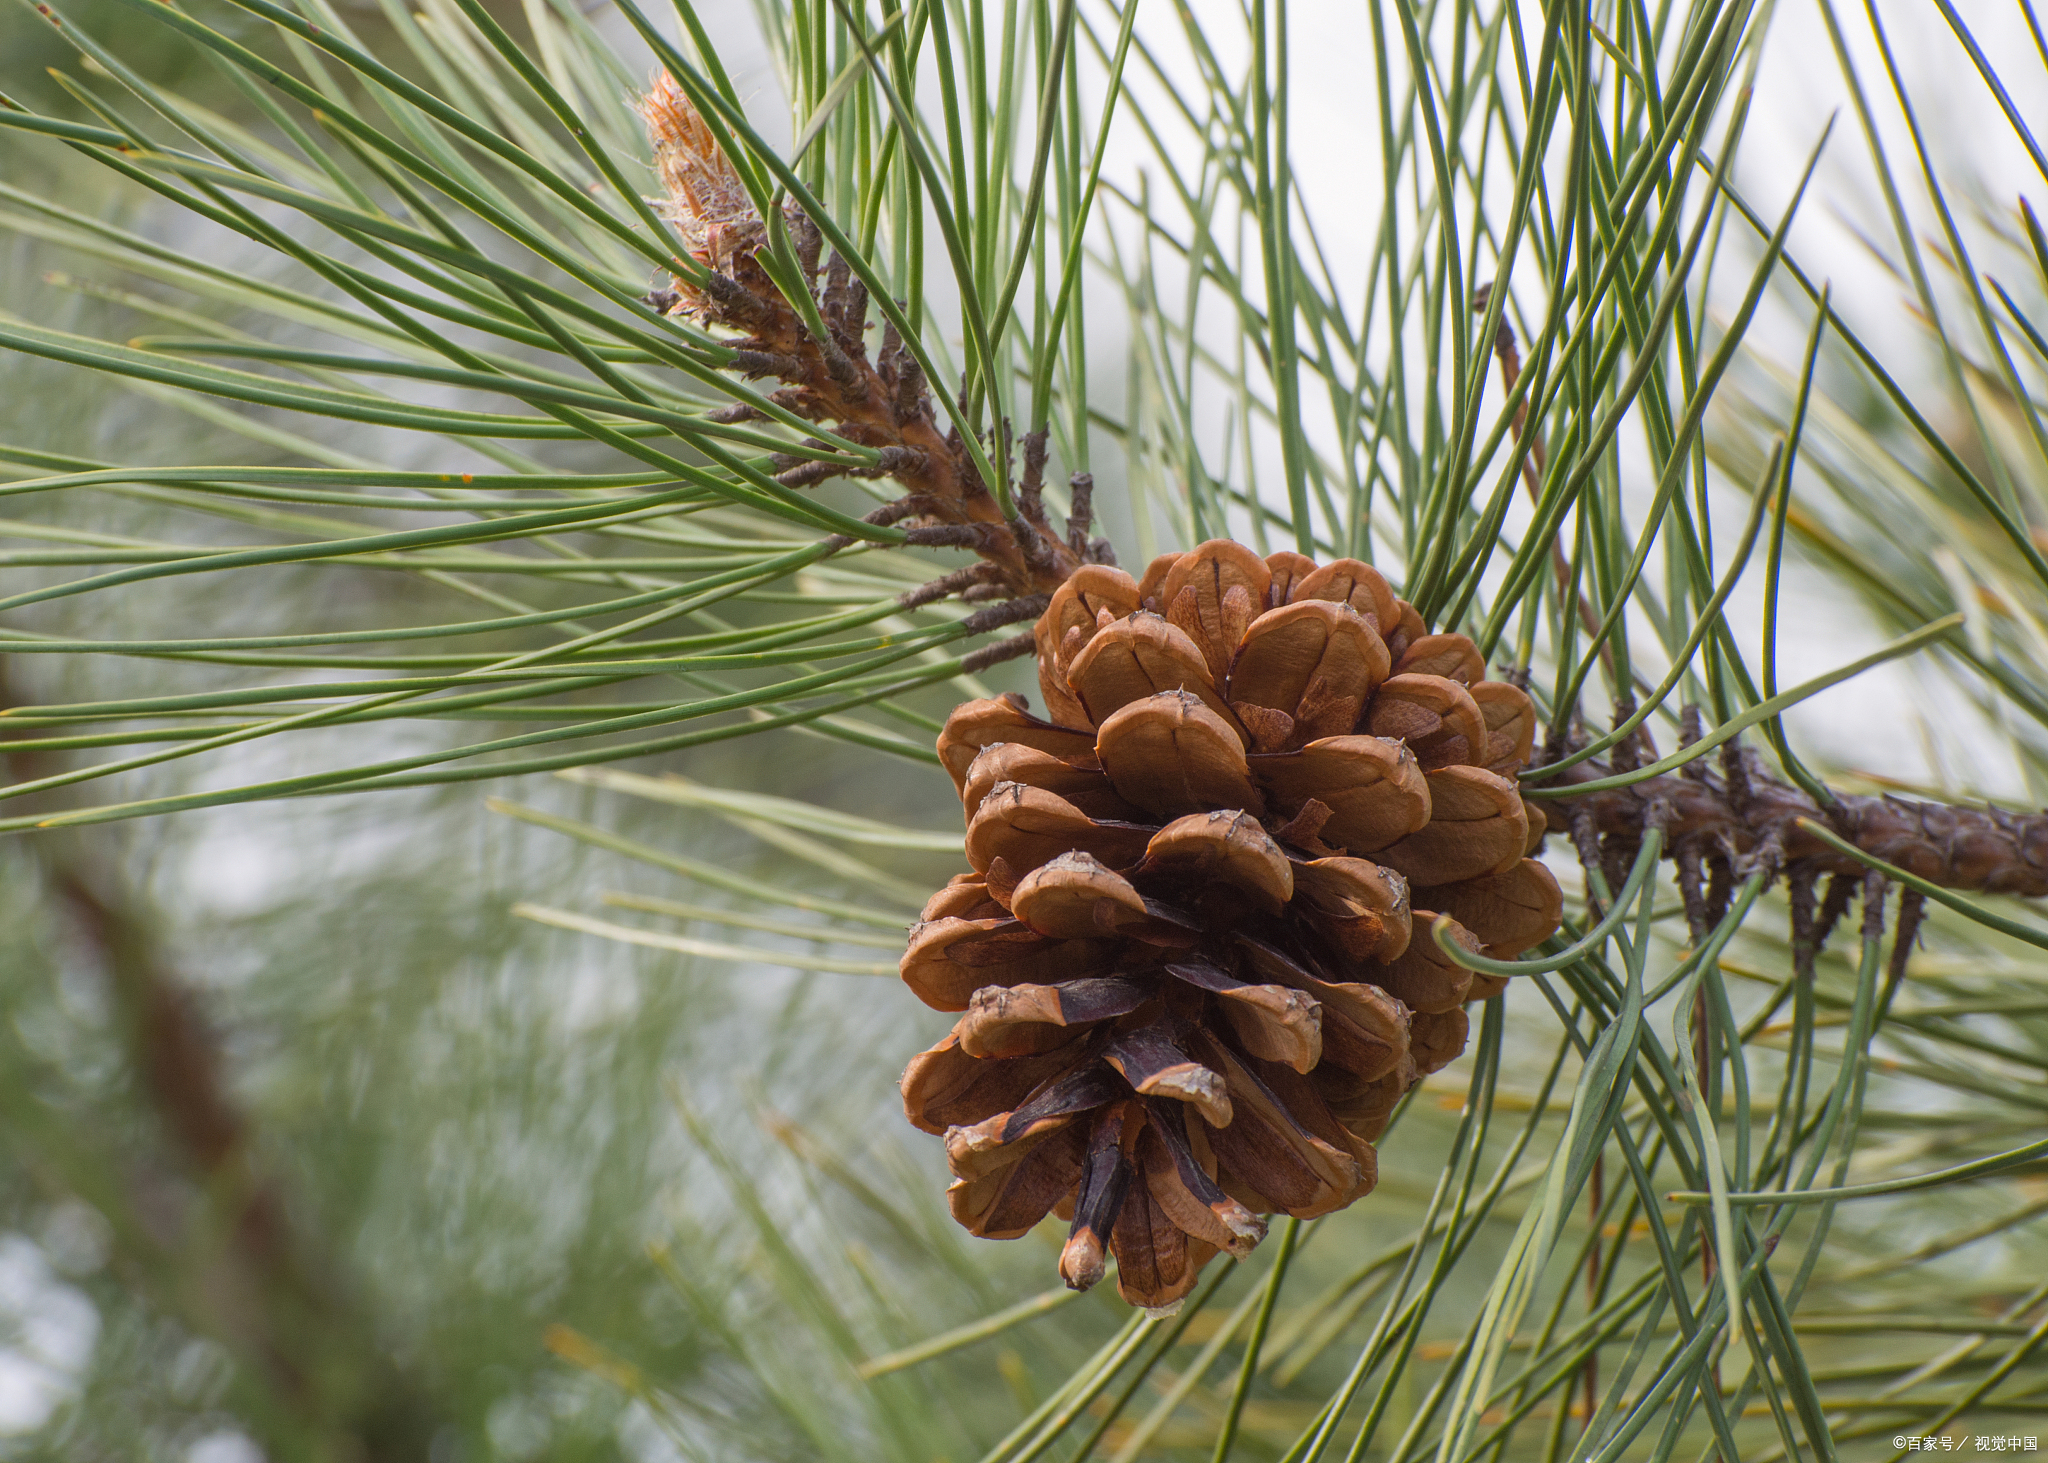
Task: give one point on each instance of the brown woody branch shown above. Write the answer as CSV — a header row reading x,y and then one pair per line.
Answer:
x,y
1747,818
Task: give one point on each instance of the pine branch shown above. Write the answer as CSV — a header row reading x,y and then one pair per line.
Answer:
x,y
1749,816
817,348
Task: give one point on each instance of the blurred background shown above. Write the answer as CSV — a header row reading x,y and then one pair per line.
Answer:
x,y
501,1190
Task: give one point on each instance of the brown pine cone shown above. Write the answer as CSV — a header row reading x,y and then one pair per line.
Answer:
x,y
1195,955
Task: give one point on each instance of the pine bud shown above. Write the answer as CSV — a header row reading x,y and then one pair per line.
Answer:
x,y
707,204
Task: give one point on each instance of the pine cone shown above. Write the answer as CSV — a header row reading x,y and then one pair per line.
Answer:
x,y
1196,953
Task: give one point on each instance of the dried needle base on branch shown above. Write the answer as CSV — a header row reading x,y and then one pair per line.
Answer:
x,y
1727,822
1721,826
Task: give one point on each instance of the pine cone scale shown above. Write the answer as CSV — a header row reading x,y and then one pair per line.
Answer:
x,y
1517,909
942,1085
1026,826
1229,849
1155,1066
1425,979
1373,786
1360,906
1077,780
1276,1023
1477,826
1074,897
1162,1259
950,959
1282,1164
1364,1029
1169,751
1009,1202
1322,659
1105,1180
1010,1021
1188,1196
